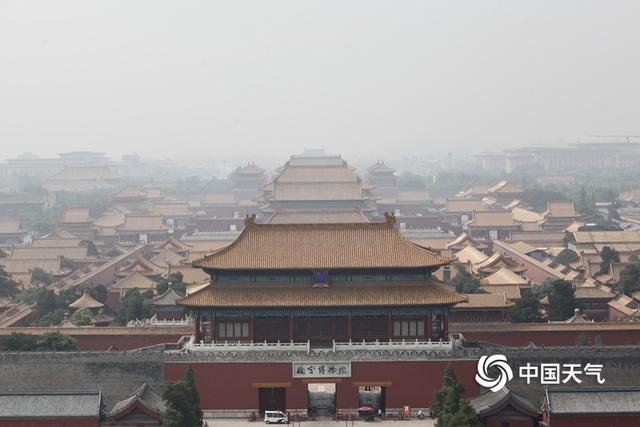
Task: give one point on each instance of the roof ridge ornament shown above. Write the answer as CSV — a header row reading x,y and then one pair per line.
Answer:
x,y
250,220
390,218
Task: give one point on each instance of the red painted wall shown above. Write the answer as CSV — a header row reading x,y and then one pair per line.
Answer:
x,y
50,423
123,342
595,421
229,385
549,338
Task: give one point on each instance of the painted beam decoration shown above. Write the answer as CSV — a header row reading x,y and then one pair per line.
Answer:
x,y
321,369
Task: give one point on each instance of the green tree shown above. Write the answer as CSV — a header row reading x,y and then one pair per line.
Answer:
x,y
55,341
97,291
609,256
8,286
82,317
562,300
566,257
66,263
539,197
629,278
451,386
52,318
175,280
41,277
527,309
92,250
18,341
450,407
46,301
466,283
183,402
132,307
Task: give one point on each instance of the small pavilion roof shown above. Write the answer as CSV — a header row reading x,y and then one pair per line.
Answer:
x,y
168,298
469,254
492,219
380,167
560,209
463,205
86,301
484,301
167,257
504,276
130,192
76,215
134,280
171,209
491,403
250,169
141,266
134,222
173,244
144,399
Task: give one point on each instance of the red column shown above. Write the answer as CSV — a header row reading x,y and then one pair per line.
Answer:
x,y
198,333
445,326
291,327
252,333
428,326
349,328
389,327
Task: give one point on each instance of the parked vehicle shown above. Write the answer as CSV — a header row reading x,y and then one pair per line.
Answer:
x,y
275,417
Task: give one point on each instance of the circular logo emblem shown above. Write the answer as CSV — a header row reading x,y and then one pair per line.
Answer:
x,y
505,374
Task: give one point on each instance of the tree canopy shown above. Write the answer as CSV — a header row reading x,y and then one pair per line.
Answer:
x,y
52,341
175,280
609,256
450,407
133,307
527,309
41,277
566,257
183,402
562,300
82,317
8,286
466,283
629,278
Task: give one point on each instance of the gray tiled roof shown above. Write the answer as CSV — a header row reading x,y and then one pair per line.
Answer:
x,y
145,396
68,404
593,401
488,402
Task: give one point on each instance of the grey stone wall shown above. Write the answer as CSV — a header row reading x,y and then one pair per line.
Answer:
x,y
117,374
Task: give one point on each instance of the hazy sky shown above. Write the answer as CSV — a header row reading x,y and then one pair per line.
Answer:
x,y
269,77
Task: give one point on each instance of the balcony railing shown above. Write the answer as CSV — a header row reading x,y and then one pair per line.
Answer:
x,y
192,345
393,345
307,346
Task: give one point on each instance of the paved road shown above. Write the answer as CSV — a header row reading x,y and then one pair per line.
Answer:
x,y
327,423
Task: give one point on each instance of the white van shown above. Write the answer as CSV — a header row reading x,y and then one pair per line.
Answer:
x,y
276,417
